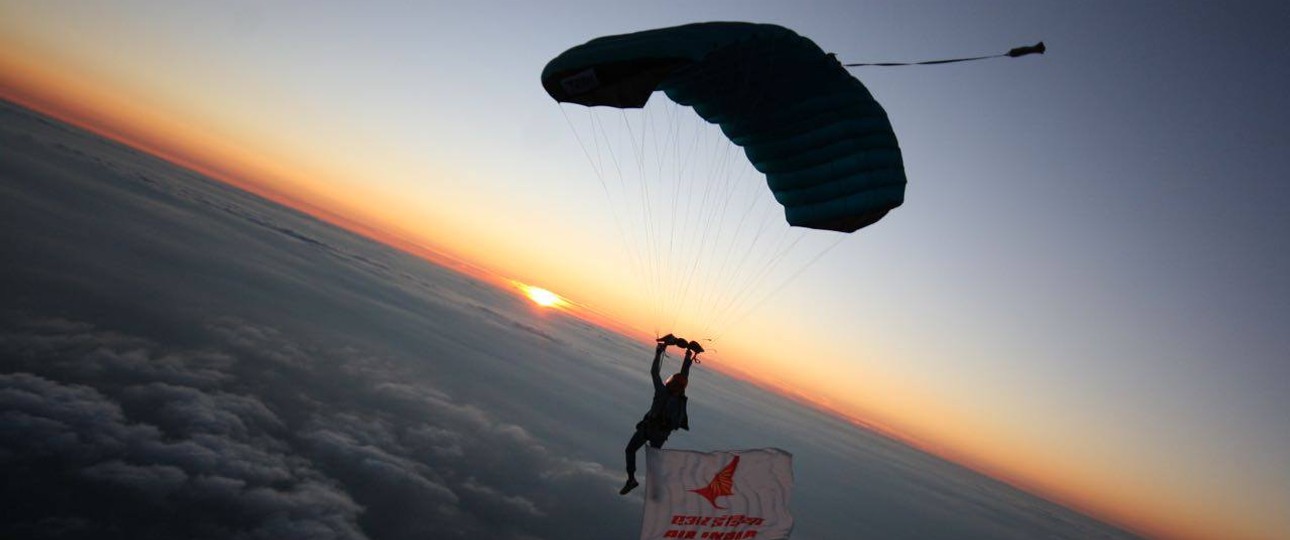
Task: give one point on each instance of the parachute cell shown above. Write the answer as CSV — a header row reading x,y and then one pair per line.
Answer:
x,y
825,145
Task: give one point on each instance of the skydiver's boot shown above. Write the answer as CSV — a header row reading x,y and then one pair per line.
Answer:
x,y
630,485
668,340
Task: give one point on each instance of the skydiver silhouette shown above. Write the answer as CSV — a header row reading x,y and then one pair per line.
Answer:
x,y
667,413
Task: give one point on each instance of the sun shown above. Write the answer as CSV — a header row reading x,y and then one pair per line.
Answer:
x,y
542,297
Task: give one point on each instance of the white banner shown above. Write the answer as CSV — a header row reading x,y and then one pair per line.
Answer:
x,y
728,495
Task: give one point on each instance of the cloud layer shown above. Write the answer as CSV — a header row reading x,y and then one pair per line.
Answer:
x,y
263,439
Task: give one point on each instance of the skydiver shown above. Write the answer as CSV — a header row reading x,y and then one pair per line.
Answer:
x,y
667,413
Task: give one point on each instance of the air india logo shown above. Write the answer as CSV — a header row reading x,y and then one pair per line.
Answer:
x,y
722,485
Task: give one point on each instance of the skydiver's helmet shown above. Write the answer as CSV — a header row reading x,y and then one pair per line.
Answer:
x,y
676,383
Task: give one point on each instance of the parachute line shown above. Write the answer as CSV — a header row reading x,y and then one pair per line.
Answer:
x,y
702,237
784,283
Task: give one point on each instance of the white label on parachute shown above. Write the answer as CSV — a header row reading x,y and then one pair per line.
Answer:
x,y
580,83
729,495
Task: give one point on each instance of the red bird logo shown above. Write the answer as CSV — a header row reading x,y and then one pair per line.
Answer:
x,y
722,485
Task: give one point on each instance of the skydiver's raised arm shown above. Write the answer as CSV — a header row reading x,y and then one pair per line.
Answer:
x,y
654,368
685,366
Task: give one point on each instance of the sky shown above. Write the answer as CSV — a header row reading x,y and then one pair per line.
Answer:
x,y
1082,295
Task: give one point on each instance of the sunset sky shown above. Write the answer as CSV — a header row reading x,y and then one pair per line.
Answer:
x,y
1085,293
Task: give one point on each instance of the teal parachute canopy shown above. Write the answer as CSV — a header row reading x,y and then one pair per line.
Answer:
x,y
825,145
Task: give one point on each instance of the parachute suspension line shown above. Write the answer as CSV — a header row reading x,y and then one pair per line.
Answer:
x,y
723,244
686,153
754,307
688,247
670,223
688,250
736,273
578,137
674,179
675,227
652,281
719,194
710,265
1037,48
658,268
787,242
671,174
641,205
718,245
600,177
746,276
739,274
723,259
637,247
662,212
661,221
635,252
597,125
703,218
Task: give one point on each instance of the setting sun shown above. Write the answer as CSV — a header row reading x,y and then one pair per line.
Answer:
x,y
542,297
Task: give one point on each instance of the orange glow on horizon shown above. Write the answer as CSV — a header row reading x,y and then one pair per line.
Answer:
x,y
931,428
85,105
938,431
79,103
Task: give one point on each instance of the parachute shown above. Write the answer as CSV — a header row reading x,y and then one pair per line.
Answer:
x,y
825,145
817,139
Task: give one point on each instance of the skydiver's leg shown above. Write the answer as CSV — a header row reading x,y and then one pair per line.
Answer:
x,y
633,445
636,442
